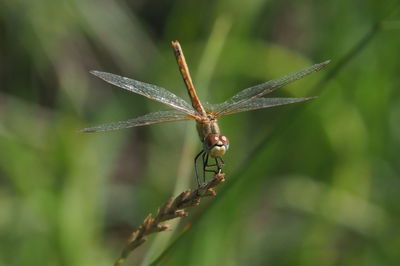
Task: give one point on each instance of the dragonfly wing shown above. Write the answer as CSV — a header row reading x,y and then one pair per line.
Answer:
x,y
148,119
260,90
148,90
260,103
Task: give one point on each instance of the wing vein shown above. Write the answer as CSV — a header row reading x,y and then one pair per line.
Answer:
x,y
147,119
148,90
240,99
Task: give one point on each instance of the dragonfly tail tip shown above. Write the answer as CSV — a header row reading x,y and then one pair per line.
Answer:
x,y
176,45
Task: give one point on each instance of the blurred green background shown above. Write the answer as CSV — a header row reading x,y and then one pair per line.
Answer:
x,y
314,183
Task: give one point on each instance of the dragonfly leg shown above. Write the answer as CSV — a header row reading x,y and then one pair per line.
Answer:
x,y
195,166
219,164
222,162
205,164
211,165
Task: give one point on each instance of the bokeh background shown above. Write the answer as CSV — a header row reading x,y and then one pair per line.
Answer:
x,y
314,183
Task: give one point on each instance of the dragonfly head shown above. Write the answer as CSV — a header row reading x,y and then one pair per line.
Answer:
x,y
216,145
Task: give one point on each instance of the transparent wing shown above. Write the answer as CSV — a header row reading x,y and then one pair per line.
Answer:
x,y
240,99
148,119
258,103
148,90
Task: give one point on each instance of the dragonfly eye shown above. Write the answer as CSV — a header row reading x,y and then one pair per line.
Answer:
x,y
216,140
211,140
216,144
224,141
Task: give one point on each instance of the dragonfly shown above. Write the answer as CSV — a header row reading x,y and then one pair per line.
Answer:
x,y
214,144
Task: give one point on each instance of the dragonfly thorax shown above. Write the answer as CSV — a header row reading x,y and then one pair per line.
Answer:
x,y
216,145
207,127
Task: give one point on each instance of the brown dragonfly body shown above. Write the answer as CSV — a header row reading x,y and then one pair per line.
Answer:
x,y
214,143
